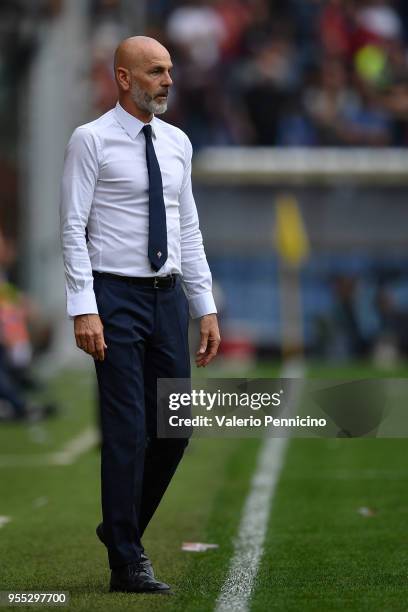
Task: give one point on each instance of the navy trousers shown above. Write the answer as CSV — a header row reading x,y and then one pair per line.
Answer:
x,y
146,331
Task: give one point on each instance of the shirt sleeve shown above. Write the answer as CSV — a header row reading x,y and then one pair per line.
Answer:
x,y
77,189
196,273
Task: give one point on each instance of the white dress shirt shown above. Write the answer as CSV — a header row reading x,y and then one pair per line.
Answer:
x,y
105,188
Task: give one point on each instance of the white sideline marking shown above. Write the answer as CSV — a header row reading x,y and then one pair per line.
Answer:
x,y
73,449
248,549
76,447
4,520
237,588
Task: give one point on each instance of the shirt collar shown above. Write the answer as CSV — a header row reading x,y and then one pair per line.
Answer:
x,y
132,125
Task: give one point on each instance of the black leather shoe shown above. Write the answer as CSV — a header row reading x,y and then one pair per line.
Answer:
x,y
134,579
144,559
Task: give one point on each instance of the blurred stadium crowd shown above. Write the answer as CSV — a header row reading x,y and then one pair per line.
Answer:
x,y
246,72
276,72
254,72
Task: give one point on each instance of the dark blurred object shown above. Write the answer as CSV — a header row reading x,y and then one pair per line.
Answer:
x,y
340,332
14,405
23,332
395,101
357,407
267,83
393,315
21,27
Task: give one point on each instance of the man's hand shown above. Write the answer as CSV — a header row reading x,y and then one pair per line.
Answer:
x,y
88,331
210,340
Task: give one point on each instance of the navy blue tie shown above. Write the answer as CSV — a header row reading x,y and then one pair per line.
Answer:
x,y
157,249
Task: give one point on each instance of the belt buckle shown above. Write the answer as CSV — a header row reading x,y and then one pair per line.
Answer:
x,y
156,282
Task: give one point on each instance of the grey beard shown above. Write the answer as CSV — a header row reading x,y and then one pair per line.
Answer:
x,y
146,102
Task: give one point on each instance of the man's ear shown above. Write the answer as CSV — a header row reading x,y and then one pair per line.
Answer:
x,y
123,78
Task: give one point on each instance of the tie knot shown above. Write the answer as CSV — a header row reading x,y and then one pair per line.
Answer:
x,y
147,129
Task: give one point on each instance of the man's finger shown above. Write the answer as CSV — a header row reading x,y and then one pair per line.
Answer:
x,y
203,343
100,346
91,345
209,356
203,359
83,343
212,350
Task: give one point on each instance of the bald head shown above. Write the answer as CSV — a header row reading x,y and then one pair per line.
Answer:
x,y
138,50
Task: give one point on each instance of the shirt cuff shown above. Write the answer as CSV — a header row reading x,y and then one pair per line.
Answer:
x,y
201,305
81,303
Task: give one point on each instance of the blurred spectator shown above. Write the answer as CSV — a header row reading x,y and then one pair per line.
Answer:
x,y
22,331
335,29
367,124
236,17
395,101
340,332
393,314
268,81
198,31
376,23
329,102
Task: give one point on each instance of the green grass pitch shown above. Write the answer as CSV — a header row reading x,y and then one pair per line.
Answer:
x,y
320,553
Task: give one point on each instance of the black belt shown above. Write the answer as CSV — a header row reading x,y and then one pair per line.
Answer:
x,y
156,282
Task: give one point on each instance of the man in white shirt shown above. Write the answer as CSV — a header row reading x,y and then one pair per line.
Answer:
x,y
127,185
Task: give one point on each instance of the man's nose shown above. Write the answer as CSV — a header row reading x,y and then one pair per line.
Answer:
x,y
167,79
